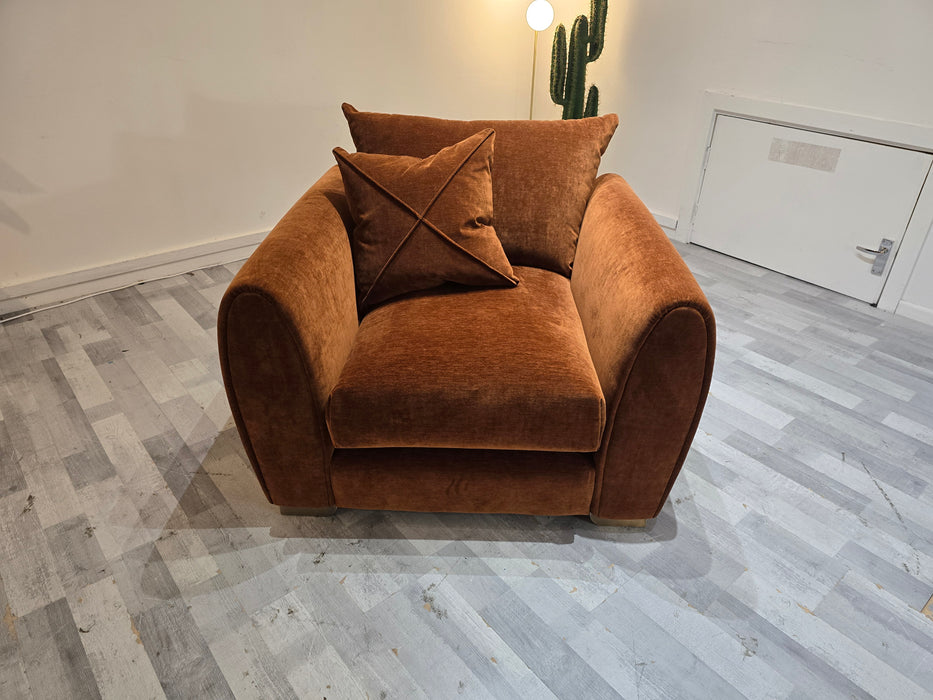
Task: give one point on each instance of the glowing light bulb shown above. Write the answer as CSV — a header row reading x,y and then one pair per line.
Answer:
x,y
540,14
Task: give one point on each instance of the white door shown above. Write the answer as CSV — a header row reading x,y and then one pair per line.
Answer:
x,y
799,202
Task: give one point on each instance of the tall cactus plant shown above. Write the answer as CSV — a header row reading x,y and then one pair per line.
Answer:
x,y
568,70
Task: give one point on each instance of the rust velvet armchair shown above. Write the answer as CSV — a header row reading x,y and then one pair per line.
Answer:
x,y
569,380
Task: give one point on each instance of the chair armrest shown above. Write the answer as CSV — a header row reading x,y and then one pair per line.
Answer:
x,y
652,337
285,327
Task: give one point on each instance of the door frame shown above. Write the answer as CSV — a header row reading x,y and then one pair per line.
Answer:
x,y
890,133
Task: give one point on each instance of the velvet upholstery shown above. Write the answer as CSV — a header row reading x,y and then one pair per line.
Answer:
x,y
289,320
285,328
542,174
419,223
464,481
472,368
652,337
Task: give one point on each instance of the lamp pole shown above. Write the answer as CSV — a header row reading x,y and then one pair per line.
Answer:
x,y
539,16
534,65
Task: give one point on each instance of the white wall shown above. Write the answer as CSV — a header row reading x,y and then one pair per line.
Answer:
x,y
130,128
917,302
854,56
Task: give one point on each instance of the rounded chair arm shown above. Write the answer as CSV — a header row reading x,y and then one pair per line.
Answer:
x,y
652,336
285,327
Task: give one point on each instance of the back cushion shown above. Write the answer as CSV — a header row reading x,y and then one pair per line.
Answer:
x,y
542,173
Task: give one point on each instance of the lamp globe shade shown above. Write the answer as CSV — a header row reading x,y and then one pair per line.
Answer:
x,y
540,14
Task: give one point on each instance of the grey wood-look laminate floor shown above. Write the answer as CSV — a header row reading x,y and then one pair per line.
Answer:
x,y
139,558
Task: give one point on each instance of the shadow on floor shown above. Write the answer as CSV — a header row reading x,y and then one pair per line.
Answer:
x,y
224,493
222,522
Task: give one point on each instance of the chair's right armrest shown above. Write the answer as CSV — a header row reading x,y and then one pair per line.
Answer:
x,y
652,336
284,329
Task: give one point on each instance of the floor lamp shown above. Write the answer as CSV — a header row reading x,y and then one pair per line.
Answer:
x,y
539,16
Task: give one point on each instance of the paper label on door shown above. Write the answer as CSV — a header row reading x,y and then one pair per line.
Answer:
x,y
807,155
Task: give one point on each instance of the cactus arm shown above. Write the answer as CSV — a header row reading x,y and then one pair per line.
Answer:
x,y
559,65
598,9
592,102
576,69
568,63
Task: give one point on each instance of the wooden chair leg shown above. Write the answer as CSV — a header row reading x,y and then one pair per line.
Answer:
x,y
609,522
315,512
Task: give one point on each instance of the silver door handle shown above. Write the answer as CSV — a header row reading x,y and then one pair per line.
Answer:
x,y
884,250
881,255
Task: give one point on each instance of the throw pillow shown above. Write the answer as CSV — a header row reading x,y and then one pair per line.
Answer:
x,y
422,222
542,176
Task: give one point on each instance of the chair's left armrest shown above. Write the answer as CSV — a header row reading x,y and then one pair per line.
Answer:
x,y
652,337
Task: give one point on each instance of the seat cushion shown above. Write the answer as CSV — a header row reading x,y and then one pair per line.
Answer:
x,y
489,368
422,222
542,174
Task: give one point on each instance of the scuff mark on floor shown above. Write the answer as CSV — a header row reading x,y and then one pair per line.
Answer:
x,y
897,514
430,604
30,501
9,619
640,665
750,645
135,631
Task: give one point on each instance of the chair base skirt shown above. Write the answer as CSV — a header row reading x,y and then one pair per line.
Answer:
x,y
463,481
609,522
315,512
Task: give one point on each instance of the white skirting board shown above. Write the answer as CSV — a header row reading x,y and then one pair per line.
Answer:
x,y
915,311
668,223
49,291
